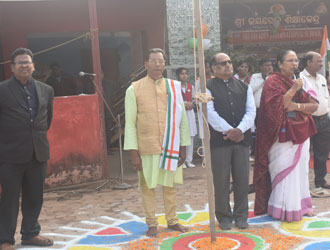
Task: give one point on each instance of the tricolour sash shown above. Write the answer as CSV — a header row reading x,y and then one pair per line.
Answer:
x,y
171,142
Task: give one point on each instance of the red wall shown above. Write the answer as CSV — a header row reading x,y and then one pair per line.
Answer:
x,y
75,132
75,143
18,19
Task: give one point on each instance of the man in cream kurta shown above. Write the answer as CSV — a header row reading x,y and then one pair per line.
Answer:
x,y
145,112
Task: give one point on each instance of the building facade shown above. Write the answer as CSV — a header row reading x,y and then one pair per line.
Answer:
x,y
246,28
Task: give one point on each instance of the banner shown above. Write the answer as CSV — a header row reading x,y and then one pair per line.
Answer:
x,y
282,21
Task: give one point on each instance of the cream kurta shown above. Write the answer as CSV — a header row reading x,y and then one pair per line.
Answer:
x,y
150,163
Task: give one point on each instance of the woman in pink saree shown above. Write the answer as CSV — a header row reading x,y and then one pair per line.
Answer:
x,y
282,150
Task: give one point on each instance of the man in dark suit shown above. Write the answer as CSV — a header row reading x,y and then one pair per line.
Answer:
x,y
26,107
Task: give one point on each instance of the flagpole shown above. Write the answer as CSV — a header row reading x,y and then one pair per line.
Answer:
x,y
206,139
325,47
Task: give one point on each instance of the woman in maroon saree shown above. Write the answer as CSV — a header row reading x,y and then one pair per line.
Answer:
x,y
282,148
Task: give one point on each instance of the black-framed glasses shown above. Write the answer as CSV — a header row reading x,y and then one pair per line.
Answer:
x,y
23,63
155,61
224,63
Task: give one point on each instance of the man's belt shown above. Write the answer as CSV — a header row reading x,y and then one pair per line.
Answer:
x,y
321,117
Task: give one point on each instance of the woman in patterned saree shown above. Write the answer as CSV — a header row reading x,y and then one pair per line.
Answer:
x,y
282,152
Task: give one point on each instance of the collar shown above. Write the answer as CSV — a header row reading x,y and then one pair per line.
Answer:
x,y
237,77
258,75
155,81
29,82
262,77
306,73
222,80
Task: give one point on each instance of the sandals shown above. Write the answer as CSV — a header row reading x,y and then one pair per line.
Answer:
x,y
38,241
320,192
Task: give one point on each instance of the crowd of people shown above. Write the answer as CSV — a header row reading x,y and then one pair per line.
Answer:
x,y
288,109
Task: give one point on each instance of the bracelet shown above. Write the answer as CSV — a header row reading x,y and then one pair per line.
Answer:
x,y
289,94
303,106
298,106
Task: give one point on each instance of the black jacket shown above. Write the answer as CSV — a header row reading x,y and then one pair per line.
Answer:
x,y
230,103
19,137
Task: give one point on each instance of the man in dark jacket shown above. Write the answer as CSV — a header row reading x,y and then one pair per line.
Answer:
x,y
231,115
26,108
62,83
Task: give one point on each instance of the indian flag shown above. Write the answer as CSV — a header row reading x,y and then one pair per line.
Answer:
x,y
325,51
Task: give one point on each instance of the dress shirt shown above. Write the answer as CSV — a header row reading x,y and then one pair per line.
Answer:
x,y
257,84
319,85
246,80
221,125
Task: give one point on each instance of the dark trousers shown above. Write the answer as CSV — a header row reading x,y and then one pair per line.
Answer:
x,y
321,148
234,160
254,135
28,177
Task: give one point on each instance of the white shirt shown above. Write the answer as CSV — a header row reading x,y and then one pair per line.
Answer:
x,y
221,125
191,114
257,84
319,85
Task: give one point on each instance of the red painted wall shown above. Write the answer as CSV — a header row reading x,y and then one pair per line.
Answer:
x,y
75,143
75,132
18,19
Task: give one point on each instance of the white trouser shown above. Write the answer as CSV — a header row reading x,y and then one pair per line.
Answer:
x,y
190,150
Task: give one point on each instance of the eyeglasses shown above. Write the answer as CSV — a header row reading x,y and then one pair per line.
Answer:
x,y
23,63
156,62
224,63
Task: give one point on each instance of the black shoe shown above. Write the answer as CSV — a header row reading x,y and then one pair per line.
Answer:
x,y
251,189
241,224
225,225
326,185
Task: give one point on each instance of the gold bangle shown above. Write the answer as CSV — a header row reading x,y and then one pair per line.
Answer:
x,y
303,106
289,94
298,106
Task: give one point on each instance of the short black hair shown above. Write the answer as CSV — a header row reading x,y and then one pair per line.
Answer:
x,y
20,51
264,60
307,57
179,70
154,50
242,62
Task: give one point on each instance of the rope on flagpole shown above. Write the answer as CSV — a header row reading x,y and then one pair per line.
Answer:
x,y
206,145
199,98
